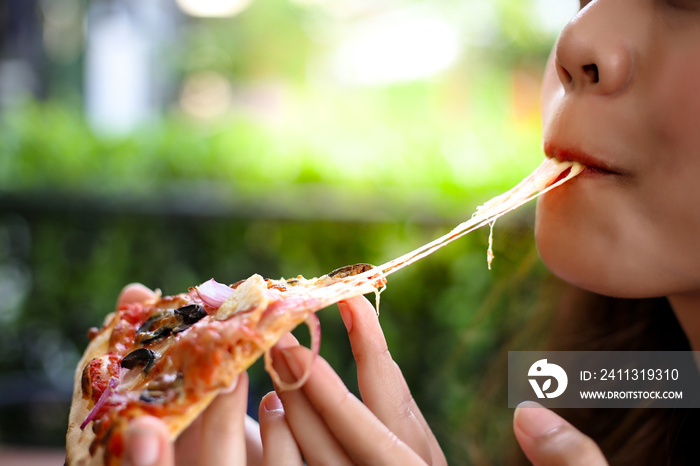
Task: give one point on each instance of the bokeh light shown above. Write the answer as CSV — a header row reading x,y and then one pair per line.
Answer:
x,y
213,8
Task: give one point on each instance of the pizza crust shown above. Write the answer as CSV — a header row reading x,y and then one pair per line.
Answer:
x,y
78,440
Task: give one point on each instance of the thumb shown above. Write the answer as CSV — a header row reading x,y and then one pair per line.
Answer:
x,y
135,293
147,443
547,439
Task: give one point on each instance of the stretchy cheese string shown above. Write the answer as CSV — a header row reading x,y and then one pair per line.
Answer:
x,y
537,183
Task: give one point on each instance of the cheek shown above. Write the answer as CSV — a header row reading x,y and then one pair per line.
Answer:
x,y
674,97
565,241
621,241
587,237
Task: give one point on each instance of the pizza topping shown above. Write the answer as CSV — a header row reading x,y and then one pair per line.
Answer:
x,y
134,313
350,270
156,396
314,325
165,381
214,293
97,374
189,315
142,357
166,388
105,397
145,336
122,337
92,333
250,295
169,322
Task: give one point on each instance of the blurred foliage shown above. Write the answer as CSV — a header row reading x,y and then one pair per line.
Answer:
x,y
391,139
469,129
301,174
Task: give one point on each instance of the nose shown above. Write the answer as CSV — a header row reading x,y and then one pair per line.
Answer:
x,y
592,53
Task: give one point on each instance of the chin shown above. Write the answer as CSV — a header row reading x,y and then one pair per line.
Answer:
x,y
592,265
594,271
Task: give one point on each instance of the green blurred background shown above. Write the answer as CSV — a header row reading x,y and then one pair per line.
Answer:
x,y
151,141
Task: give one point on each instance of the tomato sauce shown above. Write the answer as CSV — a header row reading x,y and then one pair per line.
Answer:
x,y
100,375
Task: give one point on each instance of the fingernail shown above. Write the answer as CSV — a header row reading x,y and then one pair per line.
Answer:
x,y
293,364
535,420
286,341
272,402
143,447
231,387
345,314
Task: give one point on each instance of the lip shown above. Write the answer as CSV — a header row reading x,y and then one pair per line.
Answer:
x,y
593,164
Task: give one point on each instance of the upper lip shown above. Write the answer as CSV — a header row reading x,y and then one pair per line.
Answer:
x,y
575,155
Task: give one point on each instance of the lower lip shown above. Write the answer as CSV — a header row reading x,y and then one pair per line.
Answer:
x,y
567,154
596,172
588,172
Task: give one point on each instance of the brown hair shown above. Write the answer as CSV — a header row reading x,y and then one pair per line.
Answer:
x,y
585,321
589,322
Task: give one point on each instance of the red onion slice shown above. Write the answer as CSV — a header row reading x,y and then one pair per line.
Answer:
x,y
315,332
287,305
314,325
106,395
214,293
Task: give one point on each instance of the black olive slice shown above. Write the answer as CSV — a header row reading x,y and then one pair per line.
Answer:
x,y
156,327
150,323
140,357
164,388
350,270
190,315
146,338
153,396
169,321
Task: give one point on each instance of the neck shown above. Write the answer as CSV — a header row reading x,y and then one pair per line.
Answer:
x,y
687,310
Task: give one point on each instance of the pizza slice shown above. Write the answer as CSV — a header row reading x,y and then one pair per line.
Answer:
x,y
169,357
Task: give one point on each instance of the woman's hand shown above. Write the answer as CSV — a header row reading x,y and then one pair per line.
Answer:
x,y
326,424
221,435
547,439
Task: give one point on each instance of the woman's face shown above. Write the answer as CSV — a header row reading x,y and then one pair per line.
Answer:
x,y
621,93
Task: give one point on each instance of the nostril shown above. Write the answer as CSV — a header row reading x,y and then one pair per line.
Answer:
x,y
564,75
591,71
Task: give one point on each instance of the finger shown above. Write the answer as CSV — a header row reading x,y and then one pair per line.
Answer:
x,y
316,441
253,443
223,427
135,293
279,446
547,439
364,437
187,444
382,385
147,443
